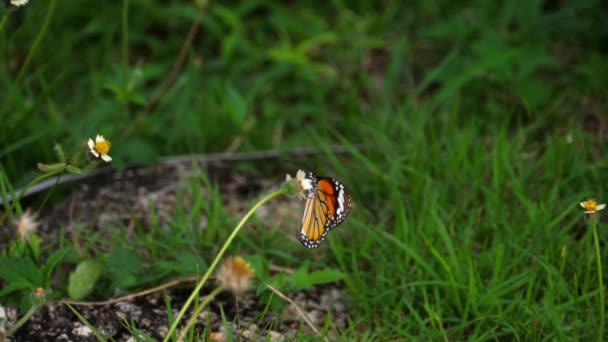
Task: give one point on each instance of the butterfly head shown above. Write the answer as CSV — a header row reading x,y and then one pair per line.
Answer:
x,y
306,183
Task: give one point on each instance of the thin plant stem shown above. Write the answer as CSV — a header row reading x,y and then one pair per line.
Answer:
x,y
23,319
4,20
29,185
48,194
96,332
125,39
219,255
39,37
600,279
197,311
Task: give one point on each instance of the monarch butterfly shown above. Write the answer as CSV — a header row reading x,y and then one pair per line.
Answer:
x,y
327,205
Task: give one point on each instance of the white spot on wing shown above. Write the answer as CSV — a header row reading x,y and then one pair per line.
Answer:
x,y
340,210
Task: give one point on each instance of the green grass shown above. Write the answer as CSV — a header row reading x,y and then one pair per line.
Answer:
x,y
484,125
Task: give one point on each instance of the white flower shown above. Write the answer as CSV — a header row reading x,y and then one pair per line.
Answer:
x,y
26,225
591,206
18,3
100,148
235,274
302,183
305,181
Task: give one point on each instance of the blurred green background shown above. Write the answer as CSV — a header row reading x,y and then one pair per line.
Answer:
x,y
484,124
281,73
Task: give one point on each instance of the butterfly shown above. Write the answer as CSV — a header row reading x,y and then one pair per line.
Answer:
x,y
328,204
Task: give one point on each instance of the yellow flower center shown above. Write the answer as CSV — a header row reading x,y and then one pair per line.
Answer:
x,y
103,147
590,205
241,267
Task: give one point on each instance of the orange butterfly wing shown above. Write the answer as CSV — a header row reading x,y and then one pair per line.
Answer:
x,y
326,208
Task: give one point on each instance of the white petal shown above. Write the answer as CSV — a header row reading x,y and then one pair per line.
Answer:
x,y
582,204
300,175
91,144
288,178
18,2
306,184
600,207
93,152
99,138
106,158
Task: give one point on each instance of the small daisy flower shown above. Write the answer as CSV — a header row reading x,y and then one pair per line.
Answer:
x,y
235,274
591,206
100,148
26,225
38,296
39,292
17,3
302,183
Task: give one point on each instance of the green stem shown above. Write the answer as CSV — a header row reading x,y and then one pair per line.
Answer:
x,y
600,280
39,37
197,311
48,194
4,20
219,255
29,185
125,39
23,319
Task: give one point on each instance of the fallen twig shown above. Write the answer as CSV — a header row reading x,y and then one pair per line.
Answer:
x,y
130,296
171,160
298,309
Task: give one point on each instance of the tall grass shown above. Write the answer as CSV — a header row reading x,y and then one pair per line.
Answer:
x,y
483,125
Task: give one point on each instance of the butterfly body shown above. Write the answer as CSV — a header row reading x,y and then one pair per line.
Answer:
x,y
328,204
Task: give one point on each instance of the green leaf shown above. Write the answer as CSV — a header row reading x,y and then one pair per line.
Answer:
x,y
259,265
59,152
303,279
317,42
84,278
307,280
73,169
21,270
28,248
288,55
16,286
50,264
124,267
236,105
186,263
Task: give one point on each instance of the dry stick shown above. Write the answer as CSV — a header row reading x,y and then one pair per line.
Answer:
x,y
170,78
281,269
134,295
201,158
166,285
298,309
